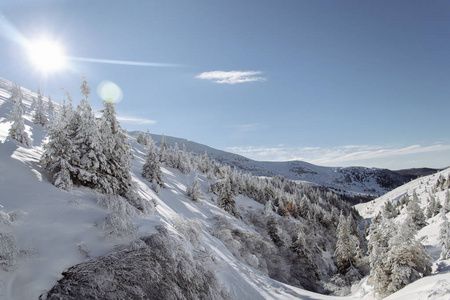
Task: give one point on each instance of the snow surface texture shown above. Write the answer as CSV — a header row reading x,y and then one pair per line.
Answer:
x,y
46,231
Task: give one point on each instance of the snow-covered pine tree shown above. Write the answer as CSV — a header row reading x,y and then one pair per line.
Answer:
x,y
226,198
444,236
58,154
446,205
89,160
141,138
273,229
39,114
50,110
380,232
194,191
416,212
303,268
407,258
347,246
163,151
184,162
17,129
151,169
117,150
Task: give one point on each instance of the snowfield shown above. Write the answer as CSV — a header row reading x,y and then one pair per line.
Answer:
x,y
45,231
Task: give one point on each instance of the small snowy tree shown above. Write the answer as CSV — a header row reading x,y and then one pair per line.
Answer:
x,y
50,110
444,237
347,245
141,138
408,259
194,191
89,160
17,129
151,169
416,212
57,156
39,115
117,150
226,199
446,205
273,229
163,151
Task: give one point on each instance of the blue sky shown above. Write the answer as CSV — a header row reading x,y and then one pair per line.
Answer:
x,y
334,83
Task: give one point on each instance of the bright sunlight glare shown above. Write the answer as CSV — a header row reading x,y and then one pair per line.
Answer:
x,y
47,55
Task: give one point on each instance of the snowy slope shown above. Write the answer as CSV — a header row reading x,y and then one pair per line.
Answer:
x,y
353,180
53,229
436,286
422,186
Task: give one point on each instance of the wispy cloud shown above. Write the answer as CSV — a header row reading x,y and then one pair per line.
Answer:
x,y
368,155
122,62
137,120
248,127
231,77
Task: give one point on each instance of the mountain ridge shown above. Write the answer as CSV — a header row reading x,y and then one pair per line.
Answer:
x,y
355,182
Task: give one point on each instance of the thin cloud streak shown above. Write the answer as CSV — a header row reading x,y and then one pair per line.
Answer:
x,y
345,155
248,127
122,62
231,77
137,120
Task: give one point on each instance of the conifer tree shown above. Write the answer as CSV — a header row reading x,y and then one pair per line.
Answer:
x,y
184,162
58,155
39,115
396,257
444,237
303,267
17,129
50,110
194,191
226,198
163,151
151,169
117,150
141,138
408,259
89,158
446,205
416,212
273,230
346,246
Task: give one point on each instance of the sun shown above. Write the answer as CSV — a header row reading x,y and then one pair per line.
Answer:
x,y
46,55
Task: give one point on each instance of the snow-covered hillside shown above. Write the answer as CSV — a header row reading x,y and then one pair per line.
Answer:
x,y
436,286
54,242
45,230
350,180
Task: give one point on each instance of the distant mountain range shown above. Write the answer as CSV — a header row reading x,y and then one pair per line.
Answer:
x,y
357,182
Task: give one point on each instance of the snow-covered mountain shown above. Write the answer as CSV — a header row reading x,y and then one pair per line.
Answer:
x,y
356,181
54,242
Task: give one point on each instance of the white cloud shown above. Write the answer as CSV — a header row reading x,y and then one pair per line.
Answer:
x,y
388,156
137,120
231,77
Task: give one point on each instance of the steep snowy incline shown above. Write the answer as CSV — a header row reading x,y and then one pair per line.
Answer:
x,y
437,285
45,230
422,186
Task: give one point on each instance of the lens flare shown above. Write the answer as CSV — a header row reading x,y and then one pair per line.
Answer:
x,y
109,91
